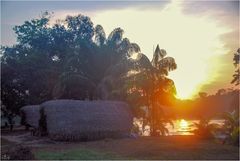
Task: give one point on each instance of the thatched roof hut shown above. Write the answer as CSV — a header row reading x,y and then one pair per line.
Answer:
x,y
31,115
86,120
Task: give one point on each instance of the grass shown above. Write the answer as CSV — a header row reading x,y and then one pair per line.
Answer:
x,y
6,142
164,148
79,154
150,148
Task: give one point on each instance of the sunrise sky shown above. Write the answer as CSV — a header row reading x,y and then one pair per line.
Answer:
x,y
202,36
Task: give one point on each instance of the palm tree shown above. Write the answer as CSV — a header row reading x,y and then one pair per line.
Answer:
x,y
162,88
231,125
204,129
142,83
162,63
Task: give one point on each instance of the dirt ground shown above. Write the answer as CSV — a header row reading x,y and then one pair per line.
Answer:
x,y
170,147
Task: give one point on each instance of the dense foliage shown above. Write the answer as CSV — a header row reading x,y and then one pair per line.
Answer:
x,y
236,75
206,105
231,126
204,129
72,59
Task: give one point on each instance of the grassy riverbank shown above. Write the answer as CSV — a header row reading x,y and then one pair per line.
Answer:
x,y
171,147
175,147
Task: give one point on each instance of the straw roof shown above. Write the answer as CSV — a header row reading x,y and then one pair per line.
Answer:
x,y
86,120
32,115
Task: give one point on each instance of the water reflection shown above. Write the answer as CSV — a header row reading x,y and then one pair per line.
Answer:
x,y
181,126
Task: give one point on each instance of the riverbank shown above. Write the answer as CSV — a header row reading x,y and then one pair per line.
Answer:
x,y
170,147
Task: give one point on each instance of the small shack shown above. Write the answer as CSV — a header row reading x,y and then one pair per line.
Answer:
x,y
69,120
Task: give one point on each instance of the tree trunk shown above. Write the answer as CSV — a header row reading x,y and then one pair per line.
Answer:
x,y
10,121
153,118
11,127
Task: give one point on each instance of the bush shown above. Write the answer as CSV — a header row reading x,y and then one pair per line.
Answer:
x,y
204,129
235,136
231,126
19,152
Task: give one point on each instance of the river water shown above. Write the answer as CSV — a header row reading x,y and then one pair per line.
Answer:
x,y
181,126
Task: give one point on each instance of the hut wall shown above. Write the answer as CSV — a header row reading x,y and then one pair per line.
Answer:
x,y
86,120
32,115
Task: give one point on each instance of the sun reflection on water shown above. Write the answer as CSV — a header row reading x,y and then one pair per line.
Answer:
x,y
181,126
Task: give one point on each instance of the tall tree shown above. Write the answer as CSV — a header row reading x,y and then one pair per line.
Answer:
x,y
142,84
63,60
57,61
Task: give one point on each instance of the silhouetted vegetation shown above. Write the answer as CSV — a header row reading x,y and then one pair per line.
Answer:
x,y
204,129
231,126
236,60
18,152
207,106
72,59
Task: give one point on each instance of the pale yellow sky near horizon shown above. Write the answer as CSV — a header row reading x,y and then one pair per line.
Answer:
x,y
194,42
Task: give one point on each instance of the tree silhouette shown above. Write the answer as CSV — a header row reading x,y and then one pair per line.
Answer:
x,y
236,60
72,59
142,84
100,36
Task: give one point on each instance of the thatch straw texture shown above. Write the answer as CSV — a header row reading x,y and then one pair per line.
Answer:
x,y
32,115
86,120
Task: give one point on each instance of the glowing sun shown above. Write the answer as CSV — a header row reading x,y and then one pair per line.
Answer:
x,y
192,41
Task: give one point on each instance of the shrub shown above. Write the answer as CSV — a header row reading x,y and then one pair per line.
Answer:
x,y
19,152
204,129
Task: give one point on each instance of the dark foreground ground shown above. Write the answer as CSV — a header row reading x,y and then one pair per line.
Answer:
x,y
172,147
